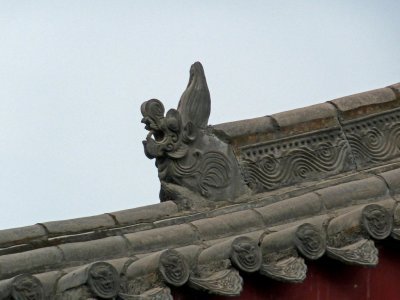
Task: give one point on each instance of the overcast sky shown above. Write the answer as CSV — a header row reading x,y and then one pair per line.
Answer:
x,y
74,73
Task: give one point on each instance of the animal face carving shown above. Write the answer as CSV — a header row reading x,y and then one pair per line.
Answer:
x,y
186,154
166,137
103,280
27,287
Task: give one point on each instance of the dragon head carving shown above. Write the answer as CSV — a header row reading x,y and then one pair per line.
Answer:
x,y
186,153
167,137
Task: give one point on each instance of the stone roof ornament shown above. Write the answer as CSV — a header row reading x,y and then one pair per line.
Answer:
x,y
187,153
264,196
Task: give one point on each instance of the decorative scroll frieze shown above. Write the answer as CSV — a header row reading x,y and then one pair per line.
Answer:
x,y
374,139
283,162
362,253
292,269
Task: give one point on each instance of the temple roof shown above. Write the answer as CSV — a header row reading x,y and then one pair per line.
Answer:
x,y
262,195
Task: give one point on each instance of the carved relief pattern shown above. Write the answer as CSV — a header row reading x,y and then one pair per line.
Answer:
x,y
26,287
375,139
246,254
377,221
211,168
362,253
291,269
177,160
103,280
158,293
396,233
225,282
274,164
310,241
174,268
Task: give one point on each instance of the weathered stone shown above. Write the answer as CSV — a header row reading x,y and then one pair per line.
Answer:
x,y
38,260
225,282
308,239
374,140
225,225
240,133
49,283
22,287
352,193
101,279
366,221
310,118
289,268
186,154
361,253
106,248
367,103
157,239
169,264
145,214
79,224
291,209
243,252
21,235
392,178
282,162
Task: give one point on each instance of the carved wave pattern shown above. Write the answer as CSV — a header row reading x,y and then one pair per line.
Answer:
x,y
158,293
362,253
292,269
226,282
211,170
269,166
376,139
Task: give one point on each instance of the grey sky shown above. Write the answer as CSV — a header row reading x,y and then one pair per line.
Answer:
x,y
74,73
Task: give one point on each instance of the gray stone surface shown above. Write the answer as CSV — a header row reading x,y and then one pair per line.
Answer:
x,y
392,179
363,104
255,195
352,193
79,224
39,260
106,248
245,131
157,239
221,226
21,235
291,209
310,118
147,213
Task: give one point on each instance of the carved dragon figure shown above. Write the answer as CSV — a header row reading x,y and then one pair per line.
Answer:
x,y
187,153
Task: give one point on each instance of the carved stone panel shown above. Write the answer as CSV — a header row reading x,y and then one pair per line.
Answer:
x,y
274,164
375,139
